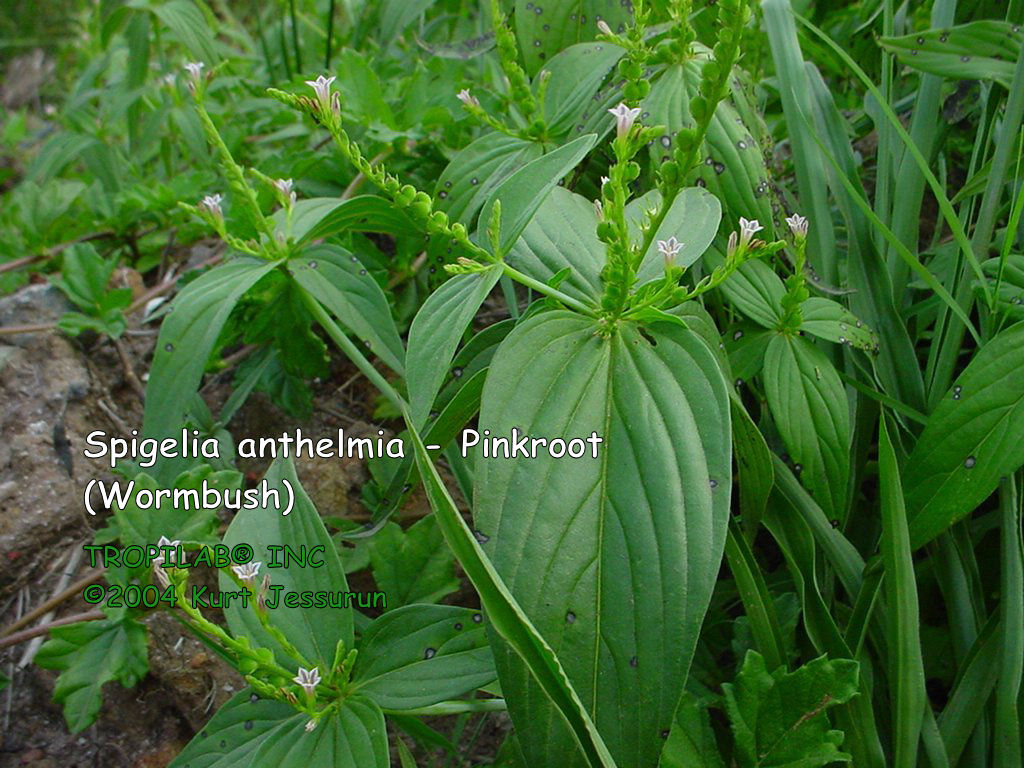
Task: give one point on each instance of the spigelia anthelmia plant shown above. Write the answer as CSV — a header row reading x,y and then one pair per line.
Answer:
x,y
700,325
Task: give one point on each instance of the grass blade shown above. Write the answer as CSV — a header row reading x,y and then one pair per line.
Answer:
x,y
907,677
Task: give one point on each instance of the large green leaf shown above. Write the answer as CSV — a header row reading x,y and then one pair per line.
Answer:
x,y
562,234
476,171
808,403
979,50
545,27
315,631
779,718
189,25
526,190
504,613
692,219
613,558
187,337
235,732
319,217
577,74
352,736
88,655
420,655
436,331
973,437
338,280
250,732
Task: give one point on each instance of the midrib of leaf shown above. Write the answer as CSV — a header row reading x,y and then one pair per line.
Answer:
x,y
805,717
601,507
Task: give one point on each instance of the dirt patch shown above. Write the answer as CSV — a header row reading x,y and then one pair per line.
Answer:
x,y
53,392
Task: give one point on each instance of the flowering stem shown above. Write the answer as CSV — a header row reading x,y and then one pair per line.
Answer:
x,y
547,290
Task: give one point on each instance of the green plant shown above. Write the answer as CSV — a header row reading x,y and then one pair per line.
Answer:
x,y
850,590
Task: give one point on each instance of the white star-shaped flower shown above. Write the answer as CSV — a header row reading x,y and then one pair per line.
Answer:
x,y
798,224
212,204
322,87
624,118
308,679
467,98
248,571
669,249
172,558
286,188
748,228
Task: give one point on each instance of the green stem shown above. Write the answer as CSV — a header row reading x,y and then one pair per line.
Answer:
x,y
547,290
295,36
353,353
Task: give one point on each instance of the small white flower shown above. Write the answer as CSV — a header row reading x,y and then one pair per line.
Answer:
x,y
798,224
624,118
285,187
195,72
467,98
170,80
599,210
311,725
603,27
669,249
173,557
50,110
748,228
322,86
733,244
308,679
248,571
212,205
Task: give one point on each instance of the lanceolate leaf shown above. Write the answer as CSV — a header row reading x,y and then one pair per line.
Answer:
x,y
830,320
562,234
980,50
692,219
419,655
576,77
902,617
436,331
548,26
353,736
476,171
613,558
808,403
338,280
187,337
504,613
315,631
973,437
319,217
522,193
235,732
